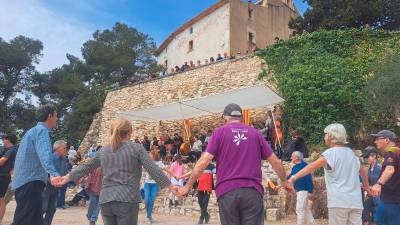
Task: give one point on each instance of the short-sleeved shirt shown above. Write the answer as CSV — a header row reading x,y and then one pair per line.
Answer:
x,y
304,183
148,177
342,178
177,169
10,154
238,150
391,189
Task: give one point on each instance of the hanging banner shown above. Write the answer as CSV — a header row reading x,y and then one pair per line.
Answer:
x,y
246,116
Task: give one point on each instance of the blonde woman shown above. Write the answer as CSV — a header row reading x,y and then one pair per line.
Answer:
x,y
342,172
121,162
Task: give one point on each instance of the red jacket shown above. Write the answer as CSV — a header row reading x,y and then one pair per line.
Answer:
x,y
205,182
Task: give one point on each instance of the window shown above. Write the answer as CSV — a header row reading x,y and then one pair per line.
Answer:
x,y
191,30
251,38
251,14
190,46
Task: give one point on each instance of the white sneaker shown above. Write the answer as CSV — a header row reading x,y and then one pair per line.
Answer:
x,y
149,221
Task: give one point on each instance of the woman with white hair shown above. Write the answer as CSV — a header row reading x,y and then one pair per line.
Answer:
x,y
342,171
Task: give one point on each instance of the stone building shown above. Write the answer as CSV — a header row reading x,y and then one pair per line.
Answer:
x,y
202,81
228,26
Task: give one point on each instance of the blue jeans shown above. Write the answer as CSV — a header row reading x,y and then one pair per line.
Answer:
x,y
387,214
94,207
150,193
61,196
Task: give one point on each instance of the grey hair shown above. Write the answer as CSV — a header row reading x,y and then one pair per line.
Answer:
x,y
298,154
236,118
337,133
58,144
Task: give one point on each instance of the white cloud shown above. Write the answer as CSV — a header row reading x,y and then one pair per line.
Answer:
x,y
59,34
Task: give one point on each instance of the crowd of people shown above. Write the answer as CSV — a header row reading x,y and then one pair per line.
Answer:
x,y
110,176
220,57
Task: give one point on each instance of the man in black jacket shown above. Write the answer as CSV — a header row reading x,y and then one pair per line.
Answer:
x,y
296,144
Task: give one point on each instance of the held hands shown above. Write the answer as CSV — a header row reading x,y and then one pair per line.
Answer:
x,y
183,191
56,181
375,190
173,189
59,181
288,185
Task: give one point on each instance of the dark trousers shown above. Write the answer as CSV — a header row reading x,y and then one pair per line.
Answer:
x,y
49,204
29,204
61,196
368,213
242,206
203,197
120,213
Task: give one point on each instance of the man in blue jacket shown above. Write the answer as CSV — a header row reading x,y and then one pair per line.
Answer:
x,y
303,186
33,165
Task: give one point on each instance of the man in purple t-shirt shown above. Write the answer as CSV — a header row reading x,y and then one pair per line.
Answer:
x,y
238,150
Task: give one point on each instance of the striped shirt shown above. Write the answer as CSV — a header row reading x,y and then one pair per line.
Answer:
x,y
122,171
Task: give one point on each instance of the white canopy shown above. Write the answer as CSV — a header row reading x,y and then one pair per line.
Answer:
x,y
248,98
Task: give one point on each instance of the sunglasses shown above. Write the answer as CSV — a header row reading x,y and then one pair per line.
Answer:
x,y
379,138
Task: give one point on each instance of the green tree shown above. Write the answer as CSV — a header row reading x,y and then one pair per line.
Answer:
x,y
112,58
341,14
17,59
118,55
323,77
383,95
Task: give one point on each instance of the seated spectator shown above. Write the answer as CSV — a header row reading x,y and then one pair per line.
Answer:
x,y
254,48
212,59
185,67
81,195
154,141
172,70
239,54
205,61
219,57
163,150
178,140
232,57
146,143
198,63
177,69
226,56
296,144
137,140
191,64
195,154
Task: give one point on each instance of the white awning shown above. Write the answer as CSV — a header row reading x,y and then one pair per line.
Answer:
x,y
248,98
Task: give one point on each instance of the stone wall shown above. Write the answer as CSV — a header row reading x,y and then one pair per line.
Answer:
x,y
202,81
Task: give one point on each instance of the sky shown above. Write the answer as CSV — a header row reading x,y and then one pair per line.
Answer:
x,y
64,25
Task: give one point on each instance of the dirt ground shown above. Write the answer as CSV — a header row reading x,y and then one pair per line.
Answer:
x,y
77,216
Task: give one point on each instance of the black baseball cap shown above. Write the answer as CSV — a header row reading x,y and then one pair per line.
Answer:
x,y
385,134
370,150
233,110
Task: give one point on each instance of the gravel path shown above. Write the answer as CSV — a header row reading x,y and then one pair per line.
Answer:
x,y
77,216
